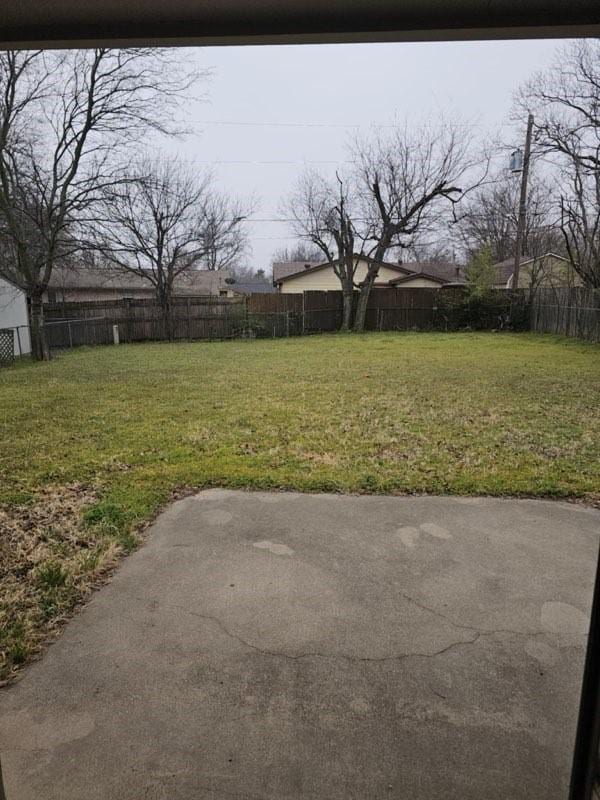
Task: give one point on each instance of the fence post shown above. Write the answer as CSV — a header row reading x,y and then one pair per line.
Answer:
x,y
189,321
127,305
287,323
70,334
303,313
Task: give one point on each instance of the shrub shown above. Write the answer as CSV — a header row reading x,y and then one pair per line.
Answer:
x,y
498,309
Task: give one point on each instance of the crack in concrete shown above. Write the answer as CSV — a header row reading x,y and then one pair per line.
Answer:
x,y
335,656
441,615
480,630
478,633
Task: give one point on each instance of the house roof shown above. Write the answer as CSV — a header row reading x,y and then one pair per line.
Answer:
x,y
323,265
193,282
412,275
445,270
504,269
12,284
253,287
281,269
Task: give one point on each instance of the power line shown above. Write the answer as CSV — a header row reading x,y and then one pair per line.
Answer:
x,y
271,124
264,163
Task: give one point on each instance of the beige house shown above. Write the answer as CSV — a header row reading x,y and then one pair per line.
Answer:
x,y
296,277
431,274
549,271
77,284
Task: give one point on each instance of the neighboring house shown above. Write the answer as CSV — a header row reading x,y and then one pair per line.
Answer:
x,y
73,284
542,272
13,314
252,287
282,269
302,277
432,274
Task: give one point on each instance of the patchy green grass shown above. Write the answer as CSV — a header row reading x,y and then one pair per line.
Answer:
x,y
460,413
464,413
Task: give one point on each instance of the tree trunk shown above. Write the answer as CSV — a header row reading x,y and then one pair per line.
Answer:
x,y
363,299
164,300
168,320
347,302
39,344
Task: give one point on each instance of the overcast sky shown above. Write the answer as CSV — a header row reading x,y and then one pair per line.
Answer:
x,y
271,110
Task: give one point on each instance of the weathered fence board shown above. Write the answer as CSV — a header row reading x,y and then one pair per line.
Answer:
x,y
569,312
258,315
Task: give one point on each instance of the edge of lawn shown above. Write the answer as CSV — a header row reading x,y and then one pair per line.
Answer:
x,y
117,532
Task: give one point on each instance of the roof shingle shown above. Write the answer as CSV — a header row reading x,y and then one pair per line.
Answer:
x,y
192,282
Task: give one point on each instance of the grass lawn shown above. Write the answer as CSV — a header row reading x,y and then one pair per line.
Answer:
x,y
94,442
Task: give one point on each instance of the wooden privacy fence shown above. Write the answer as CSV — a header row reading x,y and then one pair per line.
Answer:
x,y
86,323
569,312
419,308
257,315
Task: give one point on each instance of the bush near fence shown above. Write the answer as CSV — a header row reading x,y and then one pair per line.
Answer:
x,y
423,308
497,310
278,315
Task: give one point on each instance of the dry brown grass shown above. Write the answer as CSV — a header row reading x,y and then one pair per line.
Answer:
x,y
50,561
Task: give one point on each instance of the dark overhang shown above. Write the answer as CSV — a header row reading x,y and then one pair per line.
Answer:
x,y
26,23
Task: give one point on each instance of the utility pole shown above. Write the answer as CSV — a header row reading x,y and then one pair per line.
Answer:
x,y
522,203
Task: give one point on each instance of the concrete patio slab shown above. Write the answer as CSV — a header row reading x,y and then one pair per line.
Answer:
x,y
284,646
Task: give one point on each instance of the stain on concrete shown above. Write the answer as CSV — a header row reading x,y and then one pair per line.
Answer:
x,y
564,618
270,498
32,731
542,652
274,547
435,530
211,495
218,516
408,535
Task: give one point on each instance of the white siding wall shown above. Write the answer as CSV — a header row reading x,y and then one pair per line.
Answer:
x,y
13,314
325,280
419,282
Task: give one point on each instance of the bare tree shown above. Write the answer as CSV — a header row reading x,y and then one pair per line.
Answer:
x,y
244,273
63,119
322,214
580,224
565,101
401,186
164,220
301,251
223,239
489,218
406,182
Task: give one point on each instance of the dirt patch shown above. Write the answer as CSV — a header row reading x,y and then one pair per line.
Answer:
x,y
50,560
